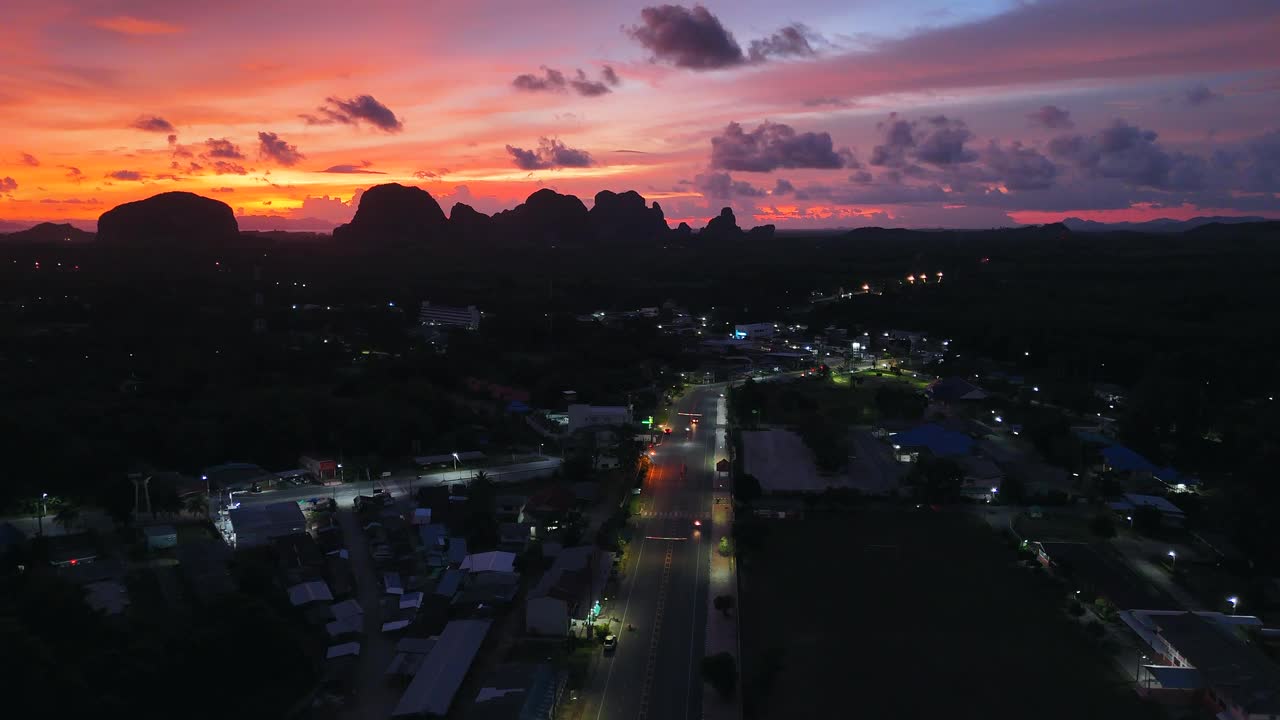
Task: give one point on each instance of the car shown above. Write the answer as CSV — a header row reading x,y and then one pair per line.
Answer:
x,y
610,643
697,523
694,421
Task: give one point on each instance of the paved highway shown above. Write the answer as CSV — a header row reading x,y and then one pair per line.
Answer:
x,y
655,671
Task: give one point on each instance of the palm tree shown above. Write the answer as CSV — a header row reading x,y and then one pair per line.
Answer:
x,y
67,517
197,505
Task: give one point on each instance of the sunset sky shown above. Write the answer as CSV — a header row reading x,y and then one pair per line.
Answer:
x,y
803,114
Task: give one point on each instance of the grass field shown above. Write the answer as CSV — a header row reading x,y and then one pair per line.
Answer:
x,y
870,377
888,613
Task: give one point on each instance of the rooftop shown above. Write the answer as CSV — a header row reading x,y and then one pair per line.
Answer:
x,y
1229,665
441,673
934,438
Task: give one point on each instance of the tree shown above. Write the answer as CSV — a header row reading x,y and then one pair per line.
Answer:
x,y
197,504
724,603
1146,520
936,479
67,517
721,672
1103,525
746,489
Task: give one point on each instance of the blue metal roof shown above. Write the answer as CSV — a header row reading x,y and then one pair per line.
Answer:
x,y
1123,459
939,441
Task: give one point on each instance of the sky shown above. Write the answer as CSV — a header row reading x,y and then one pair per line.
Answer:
x,y
806,114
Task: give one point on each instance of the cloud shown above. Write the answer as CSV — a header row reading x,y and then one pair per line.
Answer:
x,y
73,173
720,186
686,38
790,41
1200,95
362,108
354,169
552,80
827,102
222,189
937,140
1019,167
127,25
771,146
130,175
172,139
222,167
1130,154
271,147
783,187
550,153
222,148
437,174
29,159
153,123
1052,117
8,185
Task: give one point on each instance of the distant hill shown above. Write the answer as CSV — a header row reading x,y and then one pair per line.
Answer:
x,y
49,233
1162,225
178,220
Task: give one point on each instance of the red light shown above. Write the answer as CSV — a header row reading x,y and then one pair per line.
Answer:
x,y
74,561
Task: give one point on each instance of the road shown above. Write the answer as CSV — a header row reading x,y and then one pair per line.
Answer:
x,y
655,671
402,483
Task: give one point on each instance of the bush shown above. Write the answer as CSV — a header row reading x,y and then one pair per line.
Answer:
x,y
721,672
1075,608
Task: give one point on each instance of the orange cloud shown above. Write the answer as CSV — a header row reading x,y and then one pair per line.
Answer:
x,y
127,25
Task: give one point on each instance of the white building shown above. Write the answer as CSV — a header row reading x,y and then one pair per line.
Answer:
x,y
467,317
584,416
754,331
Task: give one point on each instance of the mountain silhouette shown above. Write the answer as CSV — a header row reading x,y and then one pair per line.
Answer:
x,y
722,227
394,214
625,217
545,218
49,233
172,219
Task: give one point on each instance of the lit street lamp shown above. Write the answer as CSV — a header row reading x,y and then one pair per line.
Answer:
x,y
43,510
1235,602
1173,560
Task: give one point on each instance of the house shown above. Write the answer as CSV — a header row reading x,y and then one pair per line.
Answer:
x,y
309,592
1175,481
585,416
457,551
519,690
930,437
446,316
954,389
160,537
237,476
410,652
320,468
1119,458
1205,655
492,561
514,537
565,600
254,525
449,583
1170,515
507,507
443,669
548,506
982,478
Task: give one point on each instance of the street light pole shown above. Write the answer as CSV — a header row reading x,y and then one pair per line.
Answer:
x,y
40,520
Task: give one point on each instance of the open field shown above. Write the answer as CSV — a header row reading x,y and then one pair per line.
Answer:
x,y
912,614
872,377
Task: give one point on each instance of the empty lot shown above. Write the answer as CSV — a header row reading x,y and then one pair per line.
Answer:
x,y
885,613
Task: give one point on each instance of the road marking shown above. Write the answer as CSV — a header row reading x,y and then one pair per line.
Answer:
x,y
656,634
625,608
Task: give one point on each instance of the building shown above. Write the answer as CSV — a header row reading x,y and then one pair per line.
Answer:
x,y
954,389
253,525
982,478
442,671
1207,656
935,439
160,537
446,316
492,561
566,599
585,416
321,469
1170,515
755,331
519,691
1121,459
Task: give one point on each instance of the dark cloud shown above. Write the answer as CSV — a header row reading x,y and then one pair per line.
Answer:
x,y
937,140
862,177
550,153
1261,165
550,81
1019,167
1130,154
790,41
687,38
222,148
426,175
360,169
222,167
587,87
173,139
720,186
827,102
153,123
73,173
131,175
222,189
271,147
8,184
29,159
1052,117
771,146
783,187
353,111
1200,95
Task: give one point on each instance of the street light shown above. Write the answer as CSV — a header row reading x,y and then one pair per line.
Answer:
x,y
539,449
43,510
1173,559
1235,602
